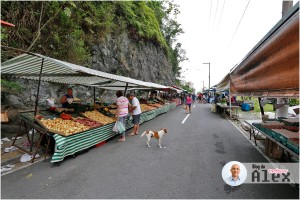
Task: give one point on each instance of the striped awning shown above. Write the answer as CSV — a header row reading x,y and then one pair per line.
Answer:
x,y
30,66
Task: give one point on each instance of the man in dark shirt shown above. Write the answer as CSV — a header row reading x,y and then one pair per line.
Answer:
x,y
64,100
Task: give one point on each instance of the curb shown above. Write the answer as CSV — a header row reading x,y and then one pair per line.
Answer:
x,y
11,161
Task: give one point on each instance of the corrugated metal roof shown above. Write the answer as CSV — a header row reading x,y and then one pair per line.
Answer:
x,y
28,67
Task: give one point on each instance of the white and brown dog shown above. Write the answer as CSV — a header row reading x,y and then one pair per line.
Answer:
x,y
156,134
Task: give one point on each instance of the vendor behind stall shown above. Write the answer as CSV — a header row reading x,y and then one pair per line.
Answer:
x,y
64,100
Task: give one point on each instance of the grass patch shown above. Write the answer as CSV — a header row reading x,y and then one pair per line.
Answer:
x,y
267,107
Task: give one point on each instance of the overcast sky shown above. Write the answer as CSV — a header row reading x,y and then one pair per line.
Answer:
x,y
212,34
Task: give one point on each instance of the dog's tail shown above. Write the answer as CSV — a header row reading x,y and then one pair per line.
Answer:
x,y
143,134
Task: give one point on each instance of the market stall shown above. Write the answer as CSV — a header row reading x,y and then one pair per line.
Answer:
x,y
271,69
77,134
283,132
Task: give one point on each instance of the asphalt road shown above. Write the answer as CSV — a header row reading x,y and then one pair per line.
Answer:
x,y
189,167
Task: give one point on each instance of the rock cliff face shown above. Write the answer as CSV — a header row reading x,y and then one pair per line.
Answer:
x,y
119,55
136,59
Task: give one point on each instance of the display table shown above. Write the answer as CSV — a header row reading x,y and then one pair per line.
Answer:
x,y
65,146
254,131
27,120
69,145
224,107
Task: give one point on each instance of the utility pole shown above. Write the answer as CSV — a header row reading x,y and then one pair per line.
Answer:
x,y
286,5
208,74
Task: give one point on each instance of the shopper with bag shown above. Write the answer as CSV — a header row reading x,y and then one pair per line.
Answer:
x,y
122,112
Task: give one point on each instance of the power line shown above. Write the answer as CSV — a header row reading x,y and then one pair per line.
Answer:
x,y
239,22
210,13
216,13
221,15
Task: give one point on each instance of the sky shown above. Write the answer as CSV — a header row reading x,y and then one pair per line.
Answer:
x,y
216,32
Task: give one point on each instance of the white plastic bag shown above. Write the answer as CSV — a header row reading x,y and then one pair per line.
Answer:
x,y
119,127
115,128
50,102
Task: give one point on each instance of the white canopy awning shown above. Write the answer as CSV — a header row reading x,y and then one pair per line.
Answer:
x,y
29,66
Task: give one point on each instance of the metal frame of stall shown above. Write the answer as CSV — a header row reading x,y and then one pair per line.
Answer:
x,y
93,73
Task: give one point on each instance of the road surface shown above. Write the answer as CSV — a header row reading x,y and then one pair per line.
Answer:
x,y
189,167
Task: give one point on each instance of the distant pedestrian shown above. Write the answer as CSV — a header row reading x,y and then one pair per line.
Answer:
x,y
188,103
136,113
122,111
194,97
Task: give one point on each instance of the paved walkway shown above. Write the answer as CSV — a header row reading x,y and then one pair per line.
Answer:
x,y
189,167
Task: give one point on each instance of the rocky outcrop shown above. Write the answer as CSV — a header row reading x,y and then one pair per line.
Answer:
x,y
136,59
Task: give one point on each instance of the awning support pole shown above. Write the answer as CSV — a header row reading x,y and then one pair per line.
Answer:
x,y
36,101
261,108
229,101
94,94
125,89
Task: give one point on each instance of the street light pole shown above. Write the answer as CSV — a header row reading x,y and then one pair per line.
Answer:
x,y
208,74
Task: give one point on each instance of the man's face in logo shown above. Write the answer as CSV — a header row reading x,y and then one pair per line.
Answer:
x,y
235,170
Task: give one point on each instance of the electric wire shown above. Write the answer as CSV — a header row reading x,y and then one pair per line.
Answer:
x,y
221,15
239,22
210,13
216,13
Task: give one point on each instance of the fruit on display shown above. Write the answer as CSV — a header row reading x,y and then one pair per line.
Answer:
x,y
145,107
65,116
88,122
97,116
67,127
157,105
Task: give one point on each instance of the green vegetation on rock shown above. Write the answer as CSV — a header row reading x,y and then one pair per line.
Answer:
x,y
67,29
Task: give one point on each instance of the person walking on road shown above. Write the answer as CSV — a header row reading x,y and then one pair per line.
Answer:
x,y
136,113
194,98
122,111
188,103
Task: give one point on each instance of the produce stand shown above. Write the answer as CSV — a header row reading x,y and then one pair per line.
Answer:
x,y
255,130
41,68
69,145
